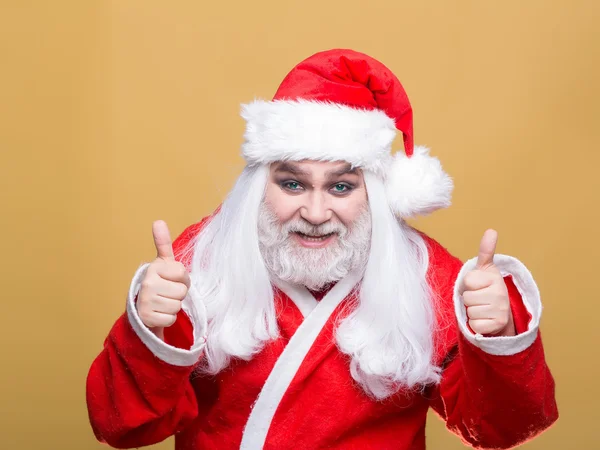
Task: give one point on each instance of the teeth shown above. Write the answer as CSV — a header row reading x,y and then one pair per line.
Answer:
x,y
314,238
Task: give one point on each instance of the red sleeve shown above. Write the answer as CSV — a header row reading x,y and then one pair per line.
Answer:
x,y
133,397
520,314
489,401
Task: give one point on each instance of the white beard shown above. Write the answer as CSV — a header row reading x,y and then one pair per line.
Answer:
x,y
314,268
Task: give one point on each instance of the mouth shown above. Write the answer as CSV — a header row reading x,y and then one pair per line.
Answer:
x,y
314,241
315,238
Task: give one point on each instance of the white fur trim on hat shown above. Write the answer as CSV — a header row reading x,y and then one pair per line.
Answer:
x,y
417,185
294,130
284,130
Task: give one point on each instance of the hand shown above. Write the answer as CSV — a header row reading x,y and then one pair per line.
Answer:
x,y
485,294
164,286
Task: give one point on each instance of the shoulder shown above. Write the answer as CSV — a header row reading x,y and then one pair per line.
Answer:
x,y
442,273
188,235
440,258
184,243
443,266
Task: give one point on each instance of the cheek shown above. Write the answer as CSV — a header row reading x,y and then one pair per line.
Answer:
x,y
284,206
349,209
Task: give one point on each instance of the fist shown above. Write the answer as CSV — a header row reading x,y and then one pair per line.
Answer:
x,y
164,286
485,295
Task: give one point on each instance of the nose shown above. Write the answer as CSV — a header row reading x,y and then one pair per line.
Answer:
x,y
316,210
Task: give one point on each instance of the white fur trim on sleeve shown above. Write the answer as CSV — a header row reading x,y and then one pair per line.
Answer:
x,y
503,345
167,353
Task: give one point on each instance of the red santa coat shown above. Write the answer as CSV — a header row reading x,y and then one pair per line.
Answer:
x,y
297,392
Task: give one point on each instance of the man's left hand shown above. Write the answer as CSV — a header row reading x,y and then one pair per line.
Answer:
x,y
485,295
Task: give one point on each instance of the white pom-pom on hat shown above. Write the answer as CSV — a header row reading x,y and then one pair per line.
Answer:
x,y
417,185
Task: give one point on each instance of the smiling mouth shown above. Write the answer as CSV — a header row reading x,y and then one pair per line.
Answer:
x,y
317,238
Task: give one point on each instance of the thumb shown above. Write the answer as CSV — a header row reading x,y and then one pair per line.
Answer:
x,y
162,240
487,248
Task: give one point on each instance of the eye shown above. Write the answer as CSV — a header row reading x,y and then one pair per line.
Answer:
x,y
291,185
341,188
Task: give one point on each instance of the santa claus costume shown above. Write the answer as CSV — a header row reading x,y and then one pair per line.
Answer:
x,y
255,362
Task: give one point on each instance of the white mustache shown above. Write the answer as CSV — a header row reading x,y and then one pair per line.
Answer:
x,y
301,226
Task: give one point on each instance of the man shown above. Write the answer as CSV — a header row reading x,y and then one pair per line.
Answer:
x,y
305,312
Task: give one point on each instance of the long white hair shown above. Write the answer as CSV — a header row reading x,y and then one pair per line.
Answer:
x,y
389,333
231,278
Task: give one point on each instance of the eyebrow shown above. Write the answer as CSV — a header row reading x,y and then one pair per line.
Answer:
x,y
294,169
291,168
347,169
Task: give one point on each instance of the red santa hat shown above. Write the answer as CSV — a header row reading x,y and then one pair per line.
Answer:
x,y
342,105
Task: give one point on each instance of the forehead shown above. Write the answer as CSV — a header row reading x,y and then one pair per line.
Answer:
x,y
315,168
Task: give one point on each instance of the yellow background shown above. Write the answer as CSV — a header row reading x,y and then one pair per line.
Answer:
x,y
113,114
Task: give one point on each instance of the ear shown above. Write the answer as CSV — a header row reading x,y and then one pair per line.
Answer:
x,y
417,185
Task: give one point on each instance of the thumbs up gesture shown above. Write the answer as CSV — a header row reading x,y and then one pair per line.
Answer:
x,y
485,295
164,286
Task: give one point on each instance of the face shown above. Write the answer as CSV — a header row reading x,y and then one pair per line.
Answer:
x,y
318,193
314,225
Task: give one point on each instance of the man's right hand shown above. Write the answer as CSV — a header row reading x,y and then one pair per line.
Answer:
x,y
164,286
